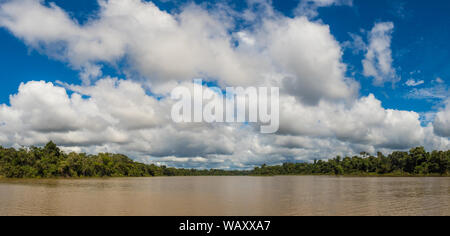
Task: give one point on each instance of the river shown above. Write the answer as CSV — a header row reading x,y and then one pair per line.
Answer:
x,y
227,196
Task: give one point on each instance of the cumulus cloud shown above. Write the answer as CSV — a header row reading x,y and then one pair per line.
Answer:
x,y
161,45
41,111
310,58
442,121
166,48
110,113
363,122
378,60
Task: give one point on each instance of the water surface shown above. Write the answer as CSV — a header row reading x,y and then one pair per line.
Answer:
x,y
244,196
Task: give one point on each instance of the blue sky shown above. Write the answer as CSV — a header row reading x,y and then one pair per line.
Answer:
x,y
388,90
419,45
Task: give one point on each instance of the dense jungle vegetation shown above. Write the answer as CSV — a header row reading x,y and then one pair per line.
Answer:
x,y
416,162
51,162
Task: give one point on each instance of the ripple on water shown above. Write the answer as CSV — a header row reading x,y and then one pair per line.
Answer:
x,y
292,195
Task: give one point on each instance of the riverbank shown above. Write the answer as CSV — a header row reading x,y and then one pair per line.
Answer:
x,y
287,175
365,175
51,162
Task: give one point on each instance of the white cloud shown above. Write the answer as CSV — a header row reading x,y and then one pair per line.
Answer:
x,y
364,122
439,80
246,38
414,83
90,72
310,59
309,7
378,60
357,44
166,48
42,108
438,91
442,121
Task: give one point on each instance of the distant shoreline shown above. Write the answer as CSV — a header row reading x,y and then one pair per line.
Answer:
x,y
298,175
363,176
50,162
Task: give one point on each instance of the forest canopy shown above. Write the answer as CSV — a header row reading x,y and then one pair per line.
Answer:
x,y
416,162
50,162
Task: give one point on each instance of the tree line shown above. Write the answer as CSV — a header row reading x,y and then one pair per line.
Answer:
x,y
415,162
50,162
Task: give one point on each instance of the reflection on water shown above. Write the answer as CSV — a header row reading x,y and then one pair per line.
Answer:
x,y
247,196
